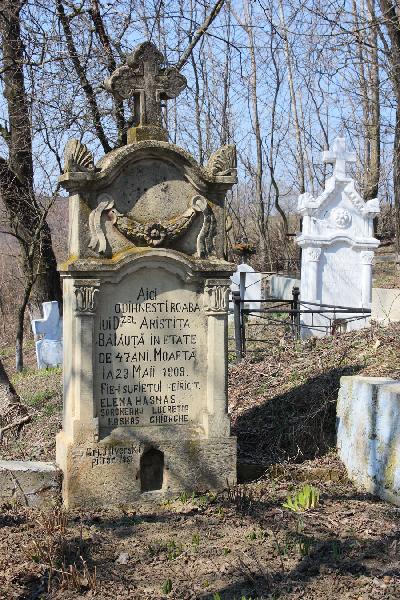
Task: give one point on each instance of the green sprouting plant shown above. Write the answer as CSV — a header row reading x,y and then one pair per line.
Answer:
x,y
48,372
253,535
195,541
336,550
217,596
227,551
173,550
305,545
220,511
184,497
241,497
202,500
299,525
167,586
50,409
282,549
304,499
212,497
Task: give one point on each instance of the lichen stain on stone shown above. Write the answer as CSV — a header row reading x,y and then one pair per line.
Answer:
x,y
193,448
390,467
70,260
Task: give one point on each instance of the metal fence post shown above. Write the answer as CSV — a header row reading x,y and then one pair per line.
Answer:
x,y
296,314
238,325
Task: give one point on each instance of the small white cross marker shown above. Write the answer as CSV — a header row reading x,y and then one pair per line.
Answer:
x,y
338,157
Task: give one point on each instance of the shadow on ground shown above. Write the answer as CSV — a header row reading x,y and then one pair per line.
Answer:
x,y
298,425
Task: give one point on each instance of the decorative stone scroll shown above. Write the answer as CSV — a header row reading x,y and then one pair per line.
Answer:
x,y
77,157
86,296
216,296
223,161
367,257
313,254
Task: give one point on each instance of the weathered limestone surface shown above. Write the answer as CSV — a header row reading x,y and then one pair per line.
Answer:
x,y
368,434
338,243
146,291
28,482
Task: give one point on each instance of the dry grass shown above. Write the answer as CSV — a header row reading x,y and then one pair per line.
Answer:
x,y
283,401
58,554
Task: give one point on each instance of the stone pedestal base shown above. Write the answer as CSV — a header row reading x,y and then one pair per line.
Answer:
x,y
109,474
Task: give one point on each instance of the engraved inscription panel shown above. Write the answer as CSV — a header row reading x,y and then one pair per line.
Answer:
x,y
152,190
150,353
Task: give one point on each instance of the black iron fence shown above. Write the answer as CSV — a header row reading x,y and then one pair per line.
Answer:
x,y
301,319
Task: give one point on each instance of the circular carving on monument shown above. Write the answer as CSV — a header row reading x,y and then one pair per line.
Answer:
x,y
155,234
341,217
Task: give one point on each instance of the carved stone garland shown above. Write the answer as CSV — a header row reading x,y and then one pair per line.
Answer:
x,y
153,234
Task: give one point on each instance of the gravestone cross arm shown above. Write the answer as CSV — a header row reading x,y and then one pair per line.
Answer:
x,y
338,157
147,82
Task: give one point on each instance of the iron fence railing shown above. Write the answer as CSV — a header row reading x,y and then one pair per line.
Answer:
x,y
302,317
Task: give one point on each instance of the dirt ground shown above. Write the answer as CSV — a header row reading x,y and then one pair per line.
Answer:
x,y
243,543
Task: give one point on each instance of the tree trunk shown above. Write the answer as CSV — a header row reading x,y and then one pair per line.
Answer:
x,y
24,212
111,66
391,19
13,414
259,171
26,217
300,150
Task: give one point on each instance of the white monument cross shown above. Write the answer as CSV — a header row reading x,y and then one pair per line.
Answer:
x,y
49,348
338,157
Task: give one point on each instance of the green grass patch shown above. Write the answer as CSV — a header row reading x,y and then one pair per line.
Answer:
x,y
35,374
39,398
50,409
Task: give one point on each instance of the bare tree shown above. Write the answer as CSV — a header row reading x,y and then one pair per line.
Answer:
x,y
13,414
26,215
391,19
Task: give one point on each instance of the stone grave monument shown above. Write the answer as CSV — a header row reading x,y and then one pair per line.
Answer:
x,y
338,243
49,348
250,281
146,289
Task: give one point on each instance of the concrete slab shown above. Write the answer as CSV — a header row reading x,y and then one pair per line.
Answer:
x,y
31,483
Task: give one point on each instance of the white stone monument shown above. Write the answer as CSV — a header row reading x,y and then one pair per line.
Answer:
x,y
250,281
49,348
338,243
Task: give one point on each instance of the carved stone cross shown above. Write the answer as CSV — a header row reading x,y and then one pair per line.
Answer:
x,y
338,157
144,80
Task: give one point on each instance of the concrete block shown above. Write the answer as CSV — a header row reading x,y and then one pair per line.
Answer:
x,y
29,482
385,305
368,434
